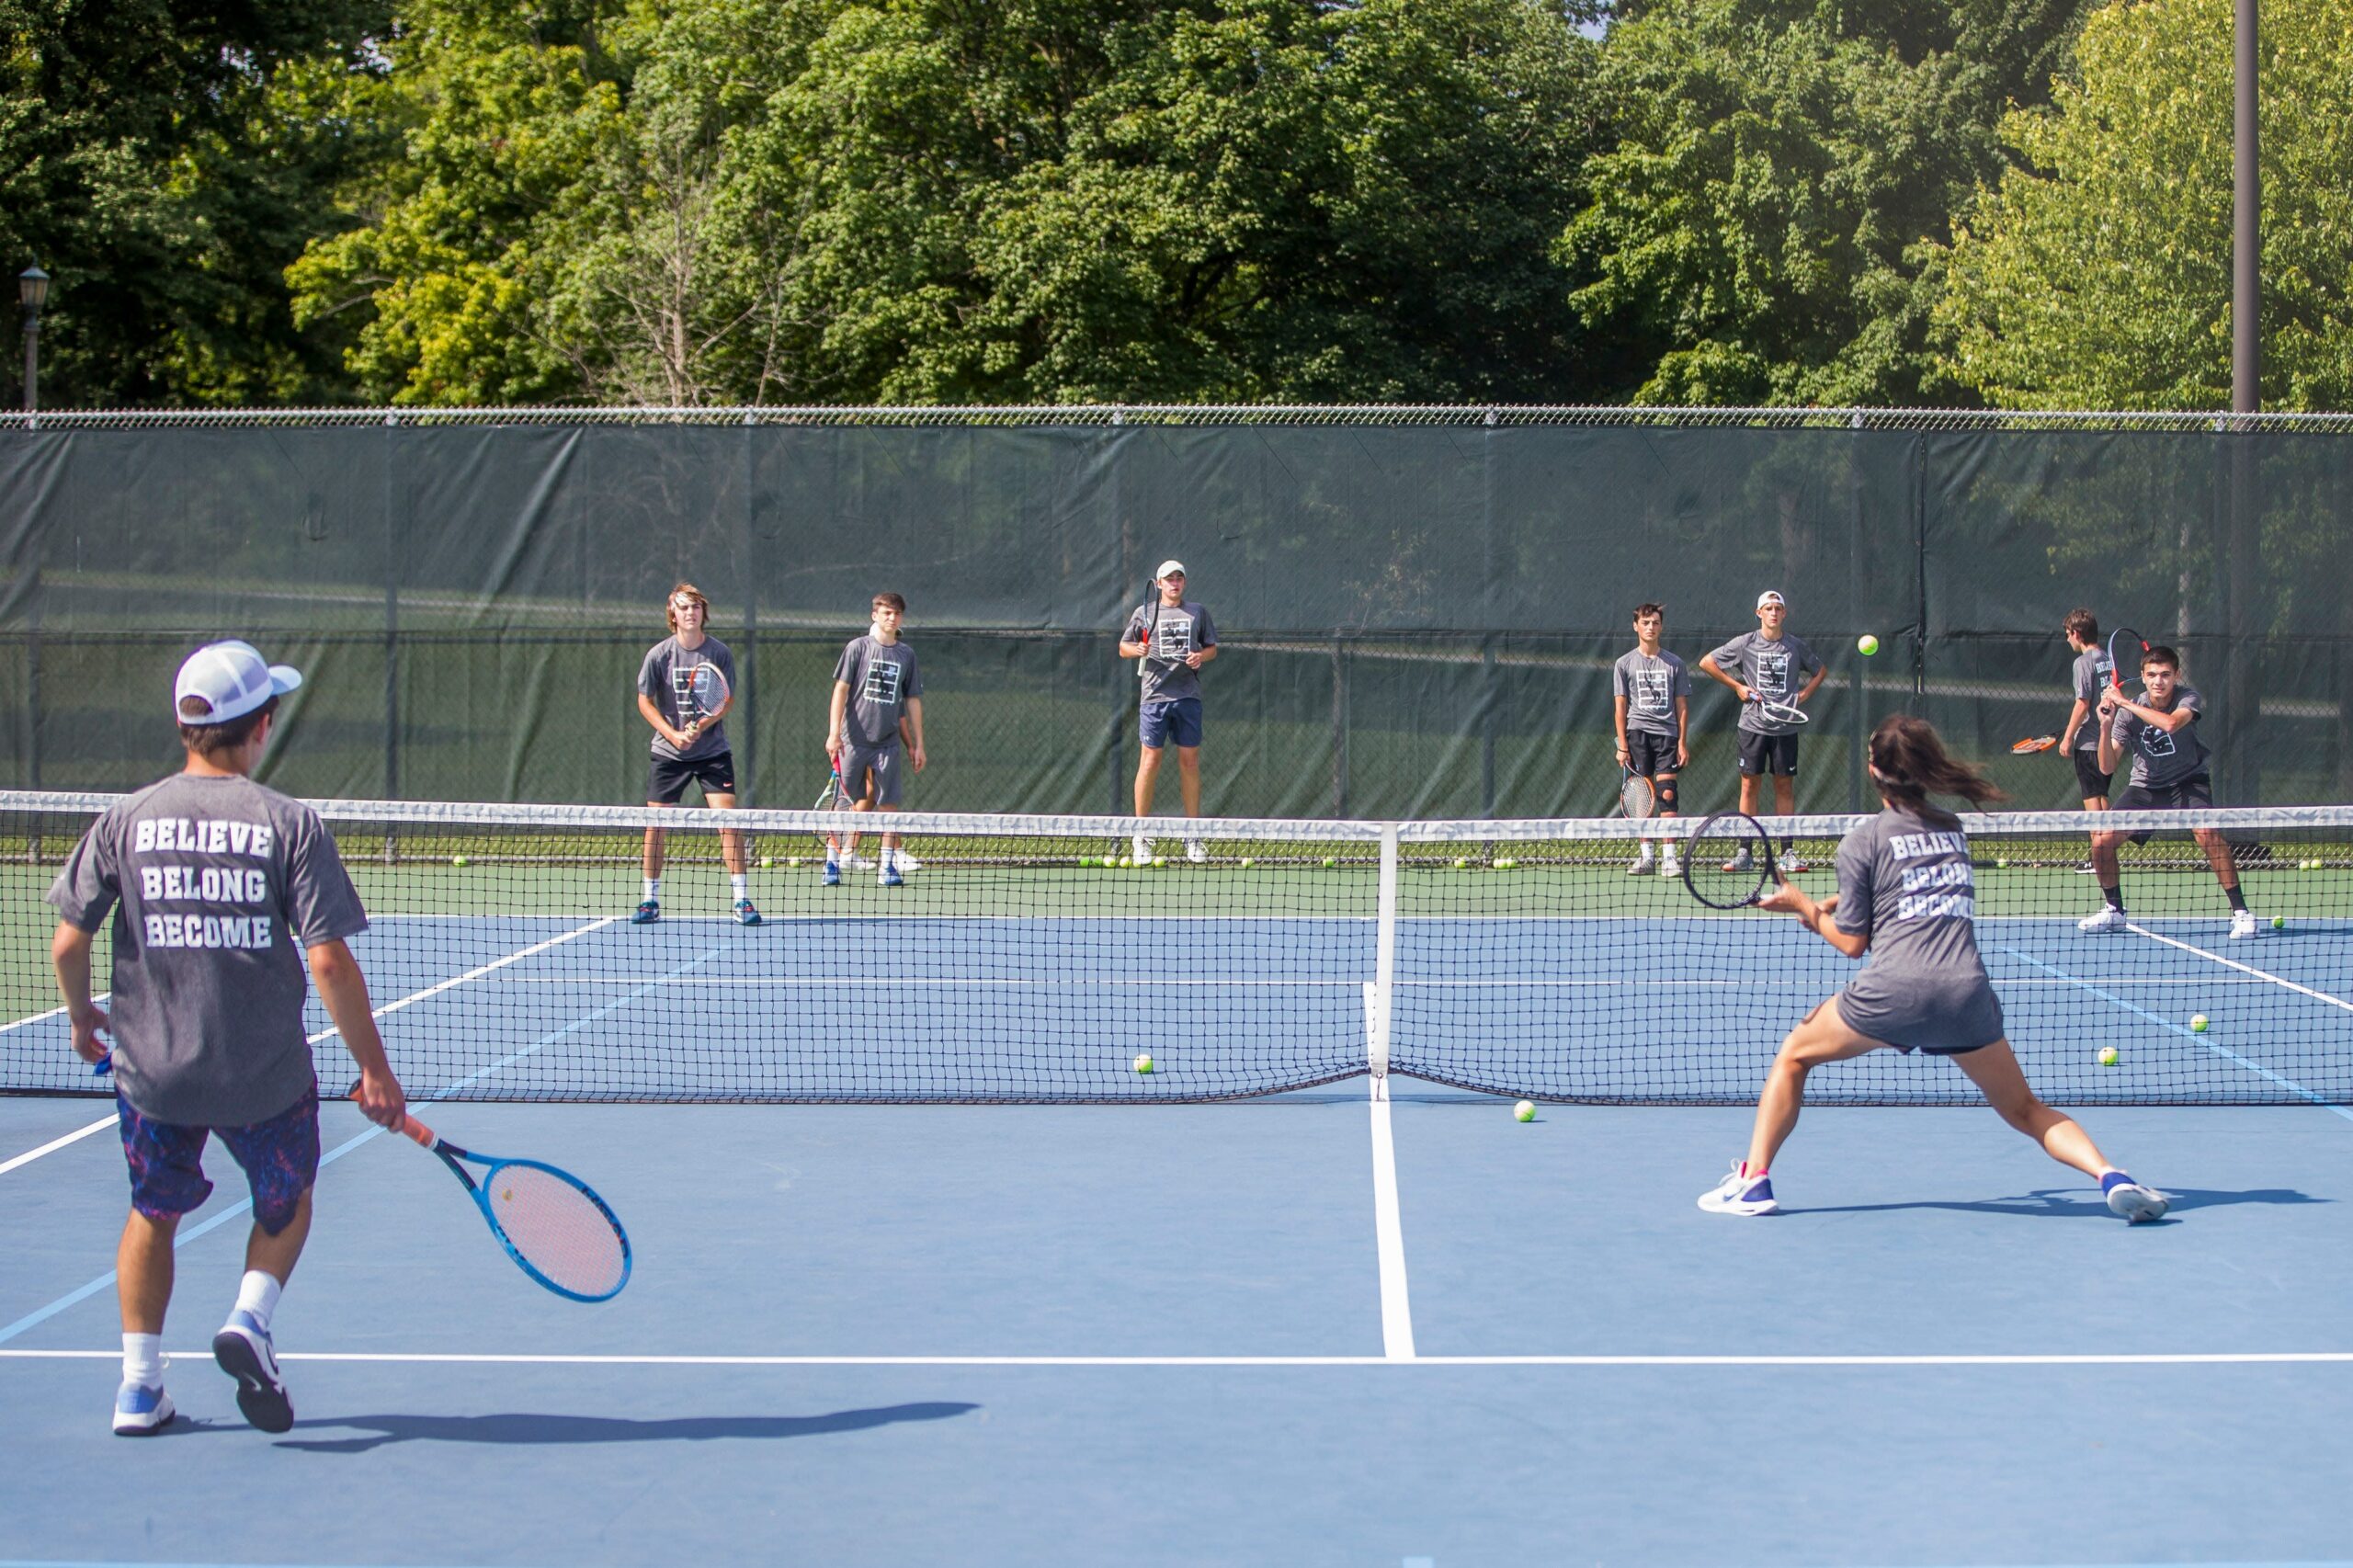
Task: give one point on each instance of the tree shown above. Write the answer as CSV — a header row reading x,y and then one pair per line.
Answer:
x,y
2096,273
1764,227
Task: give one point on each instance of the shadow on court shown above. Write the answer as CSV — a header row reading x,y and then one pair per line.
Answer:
x,y
2073,1203
519,1428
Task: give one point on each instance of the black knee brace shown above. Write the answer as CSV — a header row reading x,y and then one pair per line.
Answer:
x,y
1664,790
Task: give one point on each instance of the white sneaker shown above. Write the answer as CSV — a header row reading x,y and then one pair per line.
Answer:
x,y
1642,865
2137,1203
1740,862
1794,863
1669,866
244,1351
854,861
1142,850
906,861
2242,925
1738,1194
1196,851
2110,918
141,1411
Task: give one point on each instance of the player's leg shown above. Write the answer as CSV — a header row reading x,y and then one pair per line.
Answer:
x,y
1664,794
1784,756
2225,862
734,852
1995,1070
1819,1037
1152,732
1185,729
665,785
2106,871
1751,769
1188,779
281,1159
167,1180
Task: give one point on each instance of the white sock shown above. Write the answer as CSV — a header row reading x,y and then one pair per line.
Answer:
x,y
142,1360
740,883
257,1295
889,859
653,887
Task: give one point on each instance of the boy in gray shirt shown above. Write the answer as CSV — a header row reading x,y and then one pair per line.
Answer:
x,y
219,889
1770,663
689,745
2159,734
877,704
2091,677
1653,700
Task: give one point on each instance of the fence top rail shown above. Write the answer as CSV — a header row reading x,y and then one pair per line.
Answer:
x,y
1397,416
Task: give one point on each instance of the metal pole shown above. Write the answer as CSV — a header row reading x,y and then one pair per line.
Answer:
x,y
2243,723
2247,224
32,364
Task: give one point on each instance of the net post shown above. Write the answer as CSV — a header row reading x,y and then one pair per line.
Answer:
x,y
1384,965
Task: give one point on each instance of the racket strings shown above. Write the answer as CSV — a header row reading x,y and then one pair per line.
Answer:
x,y
1725,864
558,1229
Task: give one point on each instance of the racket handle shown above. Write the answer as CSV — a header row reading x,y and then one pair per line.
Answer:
x,y
422,1135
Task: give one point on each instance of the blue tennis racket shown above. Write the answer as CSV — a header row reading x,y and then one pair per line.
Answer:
x,y
550,1222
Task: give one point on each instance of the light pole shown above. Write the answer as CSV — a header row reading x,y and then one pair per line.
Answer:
x,y
32,293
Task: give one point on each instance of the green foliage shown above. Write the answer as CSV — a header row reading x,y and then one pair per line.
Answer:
x,y
2097,274
1764,227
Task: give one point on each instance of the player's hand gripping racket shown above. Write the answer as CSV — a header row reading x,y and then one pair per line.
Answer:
x,y
832,798
1729,861
702,695
2125,647
556,1229
2033,744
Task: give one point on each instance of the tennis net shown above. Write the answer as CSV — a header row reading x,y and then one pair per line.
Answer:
x,y
1020,962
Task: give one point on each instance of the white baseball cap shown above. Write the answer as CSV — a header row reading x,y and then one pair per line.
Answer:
x,y
229,680
1169,569
1769,598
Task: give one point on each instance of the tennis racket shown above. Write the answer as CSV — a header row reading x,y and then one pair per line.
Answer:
x,y
1636,797
1729,861
2125,647
1151,635
702,694
2033,744
556,1229
830,798
1775,710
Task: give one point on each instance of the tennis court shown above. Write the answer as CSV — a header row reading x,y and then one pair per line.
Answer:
x,y
1361,1315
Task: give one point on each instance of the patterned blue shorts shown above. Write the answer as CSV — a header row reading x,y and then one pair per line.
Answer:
x,y
279,1157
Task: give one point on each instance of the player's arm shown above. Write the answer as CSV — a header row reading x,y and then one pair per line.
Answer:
x,y
1683,732
69,954
2110,753
836,707
1707,667
1201,655
1805,694
911,731
1814,916
2075,717
345,990
2172,721
646,706
1135,642
1618,703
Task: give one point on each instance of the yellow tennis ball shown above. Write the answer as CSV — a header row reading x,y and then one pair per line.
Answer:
x,y
1248,861
1160,859
1126,861
793,861
1867,644
1143,1063
2279,922
1331,861
459,860
2198,1023
2107,1056
1524,1111
1462,862
767,861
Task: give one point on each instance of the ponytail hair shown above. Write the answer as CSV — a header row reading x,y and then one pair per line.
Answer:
x,y
1909,763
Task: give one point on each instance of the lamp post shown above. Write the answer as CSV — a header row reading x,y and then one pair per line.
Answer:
x,y
32,293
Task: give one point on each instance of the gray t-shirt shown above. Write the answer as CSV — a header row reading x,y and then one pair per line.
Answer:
x,y
882,676
1176,635
217,886
2092,667
1906,883
1649,686
1775,669
2161,758
664,676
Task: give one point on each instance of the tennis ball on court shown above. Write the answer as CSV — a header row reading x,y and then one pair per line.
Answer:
x,y
793,862
458,860
1524,1111
767,861
1462,862
2107,1056
2279,922
1505,863
2198,1023
1330,861
2001,862
1248,861
1867,644
1143,1063
1160,860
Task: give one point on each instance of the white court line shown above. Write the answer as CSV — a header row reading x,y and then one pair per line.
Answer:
x,y
29,1155
1063,982
2119,1358
2242,968
1388,1225
43,1017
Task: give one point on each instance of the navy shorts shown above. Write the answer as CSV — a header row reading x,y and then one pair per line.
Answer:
x,y
1769,753
279,1157
1179,721
1650,754
2088,778
2197,791
666,779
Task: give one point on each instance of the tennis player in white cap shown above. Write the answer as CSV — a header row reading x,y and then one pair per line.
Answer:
x,y
1170,637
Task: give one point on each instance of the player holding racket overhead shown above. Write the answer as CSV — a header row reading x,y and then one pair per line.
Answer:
x,y
877,704
1765,666
219,889
1654,716
1173,638
685,687
1906,905
2160,734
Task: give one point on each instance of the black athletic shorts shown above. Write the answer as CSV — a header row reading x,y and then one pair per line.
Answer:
x,y
1769,753
666,779
2198,790
1650,754
2092,783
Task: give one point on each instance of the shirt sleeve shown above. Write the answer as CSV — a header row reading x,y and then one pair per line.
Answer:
x,y
846,667
1808,660
89,886
320,904
1682,679
2086,681
913,679
1858,858
1727,657
649,674
2191,701
1135,629
1205,631
1620,686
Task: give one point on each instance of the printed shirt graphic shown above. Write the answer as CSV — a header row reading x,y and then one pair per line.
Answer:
x,y
1181,629
1649,686
882,676
664,676
2161,758
217,886
2091,667
1775,669
1906,884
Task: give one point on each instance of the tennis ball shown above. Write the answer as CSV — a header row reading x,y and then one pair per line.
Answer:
x,y
1127,860
2107,1056
1330,861
767,861
1505,863
1462,862
1248,861
1143,1063
458,860
1867,644
793,861
2198,1023
2279,922
1160,860
2001,862
1524,1111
